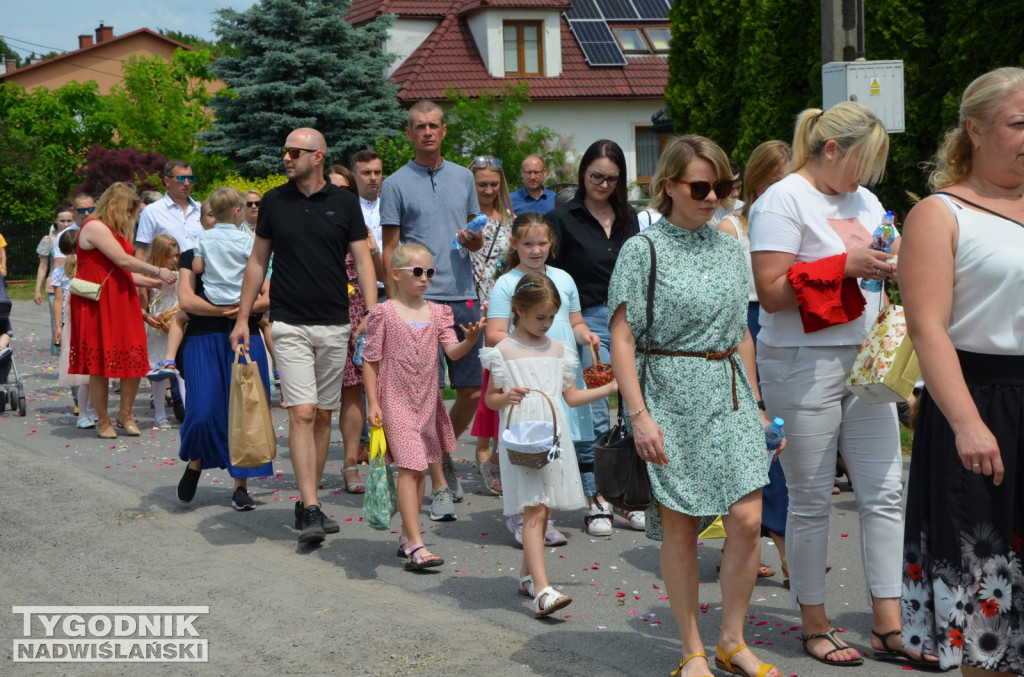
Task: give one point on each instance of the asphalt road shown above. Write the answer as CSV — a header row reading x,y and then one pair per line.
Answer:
x,y
90,522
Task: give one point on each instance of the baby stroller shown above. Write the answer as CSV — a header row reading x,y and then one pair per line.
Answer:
x,y
10,394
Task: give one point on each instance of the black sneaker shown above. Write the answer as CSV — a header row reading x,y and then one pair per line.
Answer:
x,y
312,525
187,485
241,500
330,526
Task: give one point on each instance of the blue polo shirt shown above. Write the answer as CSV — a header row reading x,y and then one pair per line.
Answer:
x,y
524,202
431,206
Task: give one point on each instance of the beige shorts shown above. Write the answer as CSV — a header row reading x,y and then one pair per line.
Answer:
x,y
311,361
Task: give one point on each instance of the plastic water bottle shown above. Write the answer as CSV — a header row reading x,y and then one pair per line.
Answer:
x,y
357,355
774,433
881,240
478,222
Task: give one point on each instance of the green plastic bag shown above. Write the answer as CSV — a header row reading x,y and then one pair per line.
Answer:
x,y
380,502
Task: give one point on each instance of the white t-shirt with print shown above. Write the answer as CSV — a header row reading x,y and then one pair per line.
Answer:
x,y
795,217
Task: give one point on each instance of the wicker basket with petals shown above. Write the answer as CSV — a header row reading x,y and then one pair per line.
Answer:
x,y
598,374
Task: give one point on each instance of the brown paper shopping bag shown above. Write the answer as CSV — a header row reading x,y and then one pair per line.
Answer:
x,y
251,439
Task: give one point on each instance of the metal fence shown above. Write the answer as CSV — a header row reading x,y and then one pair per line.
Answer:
x,y
22,240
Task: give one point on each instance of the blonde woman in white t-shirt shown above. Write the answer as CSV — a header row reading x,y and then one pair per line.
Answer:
x,y
821,217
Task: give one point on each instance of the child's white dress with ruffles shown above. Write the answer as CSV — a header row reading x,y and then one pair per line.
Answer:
x,y
549,368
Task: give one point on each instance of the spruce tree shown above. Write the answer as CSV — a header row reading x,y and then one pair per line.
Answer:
x,y
300,65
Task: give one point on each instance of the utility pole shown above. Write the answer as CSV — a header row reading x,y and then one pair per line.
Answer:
x,y
842,30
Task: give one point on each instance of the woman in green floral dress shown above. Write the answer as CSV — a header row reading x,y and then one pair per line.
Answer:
x,y
697,422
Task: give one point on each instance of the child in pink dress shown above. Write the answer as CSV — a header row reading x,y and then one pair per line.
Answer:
x,y
400,364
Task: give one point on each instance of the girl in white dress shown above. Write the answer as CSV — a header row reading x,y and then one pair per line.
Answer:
x,y
525,362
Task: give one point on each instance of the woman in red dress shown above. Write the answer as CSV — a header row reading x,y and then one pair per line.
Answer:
x,y
108,336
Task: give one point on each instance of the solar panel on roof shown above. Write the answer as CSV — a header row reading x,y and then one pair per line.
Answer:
x,y
652,9
583,9
617,10
597,42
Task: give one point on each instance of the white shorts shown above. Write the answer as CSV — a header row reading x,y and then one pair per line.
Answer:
x,y
311,361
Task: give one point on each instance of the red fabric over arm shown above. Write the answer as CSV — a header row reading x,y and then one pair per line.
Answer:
x,y
825,297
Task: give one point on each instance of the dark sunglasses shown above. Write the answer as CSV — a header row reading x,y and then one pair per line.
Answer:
x,y
85,210
481,162
294,153
700,189
185,177
417,271
252,203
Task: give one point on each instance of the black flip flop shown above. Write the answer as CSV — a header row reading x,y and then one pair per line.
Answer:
x,y
831,637
900,656
413,565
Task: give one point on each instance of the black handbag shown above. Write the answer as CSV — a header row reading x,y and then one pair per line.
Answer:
x,y
620,474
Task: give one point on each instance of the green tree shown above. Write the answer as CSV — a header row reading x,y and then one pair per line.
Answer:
x,y
778,74
7,52
301,65
29,179
700,95
47,134
218,49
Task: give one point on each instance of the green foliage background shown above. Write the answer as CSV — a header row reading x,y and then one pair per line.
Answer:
x,y
740,72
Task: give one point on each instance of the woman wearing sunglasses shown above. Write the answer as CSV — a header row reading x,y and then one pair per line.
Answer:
x,y
695,419
591,229
809,236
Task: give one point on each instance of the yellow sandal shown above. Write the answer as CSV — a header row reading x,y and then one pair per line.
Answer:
x,y
722,663
687,660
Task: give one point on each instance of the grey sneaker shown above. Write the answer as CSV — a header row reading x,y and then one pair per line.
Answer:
x,y
441,507
451,478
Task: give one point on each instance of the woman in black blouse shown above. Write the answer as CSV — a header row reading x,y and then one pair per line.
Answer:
x,y
591,229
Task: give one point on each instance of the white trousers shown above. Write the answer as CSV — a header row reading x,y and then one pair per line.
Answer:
x,y
806,386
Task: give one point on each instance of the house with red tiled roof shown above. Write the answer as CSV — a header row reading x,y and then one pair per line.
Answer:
x,y
98,59
596,68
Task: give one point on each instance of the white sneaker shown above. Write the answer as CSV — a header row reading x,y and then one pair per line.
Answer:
x,y
598,521
86,423
636,518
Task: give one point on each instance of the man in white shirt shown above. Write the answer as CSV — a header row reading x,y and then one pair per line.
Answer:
x,y
369,172
176,214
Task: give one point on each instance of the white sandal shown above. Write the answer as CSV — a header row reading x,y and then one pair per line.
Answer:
x,y
553,601
526,586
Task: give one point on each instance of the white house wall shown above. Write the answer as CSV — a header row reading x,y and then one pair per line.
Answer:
x,y
404,36
486,29
588,121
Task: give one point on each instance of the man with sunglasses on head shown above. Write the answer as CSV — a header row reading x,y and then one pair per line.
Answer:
x,y
533,196
309,225
430,201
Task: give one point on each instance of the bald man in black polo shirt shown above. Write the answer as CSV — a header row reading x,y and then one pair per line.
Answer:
x,y
309,225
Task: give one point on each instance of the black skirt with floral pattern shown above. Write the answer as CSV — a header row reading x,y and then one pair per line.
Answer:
x,y
963,586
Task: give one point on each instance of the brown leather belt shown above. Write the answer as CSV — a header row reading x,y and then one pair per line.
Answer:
x,y
708,355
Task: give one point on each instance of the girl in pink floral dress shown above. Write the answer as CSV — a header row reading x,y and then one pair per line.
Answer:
x,y
400,364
